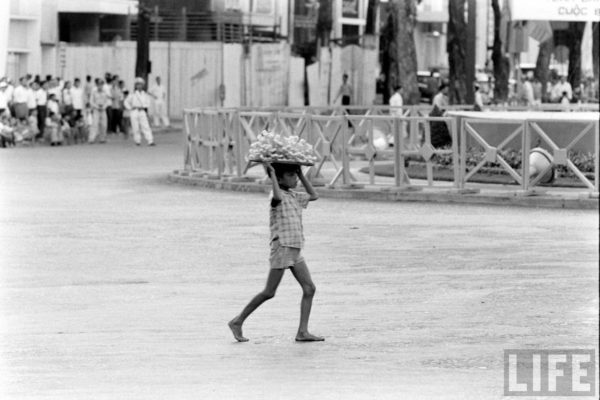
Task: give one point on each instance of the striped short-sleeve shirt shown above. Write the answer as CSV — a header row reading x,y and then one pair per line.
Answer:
x,y
285,219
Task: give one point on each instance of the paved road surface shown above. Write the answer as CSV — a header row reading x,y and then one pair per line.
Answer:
x,y
118,285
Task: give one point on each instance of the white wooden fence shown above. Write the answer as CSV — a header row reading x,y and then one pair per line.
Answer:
x,y
193,72
217,140
262,75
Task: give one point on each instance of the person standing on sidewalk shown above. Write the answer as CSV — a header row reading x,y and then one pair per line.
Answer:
x,y
88,88
117,107
159,93
345,92
20,97
66,100
107,87
41,101
78,97
137,103
98,103
397,101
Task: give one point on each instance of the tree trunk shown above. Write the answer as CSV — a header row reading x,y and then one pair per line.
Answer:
x,y
574,44
324,23
596,48
500,61
402,56
370,28
143,41
542,65
385,43
457,39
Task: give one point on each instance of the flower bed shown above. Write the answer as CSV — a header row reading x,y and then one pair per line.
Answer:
x,y
583,161
491,172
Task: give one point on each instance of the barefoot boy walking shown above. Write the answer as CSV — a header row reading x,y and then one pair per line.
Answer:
x,y
287,239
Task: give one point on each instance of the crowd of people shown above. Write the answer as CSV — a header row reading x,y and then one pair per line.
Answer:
x,y
57,111
529,91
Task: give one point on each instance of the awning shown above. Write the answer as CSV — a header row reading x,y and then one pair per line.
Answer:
x,y
120,7
553,10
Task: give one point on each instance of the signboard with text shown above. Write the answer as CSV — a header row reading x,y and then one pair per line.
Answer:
x,y
555,10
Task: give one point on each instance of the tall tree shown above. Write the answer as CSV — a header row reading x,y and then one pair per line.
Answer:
x,y
575,36
542,65
401,63
457,57
499,59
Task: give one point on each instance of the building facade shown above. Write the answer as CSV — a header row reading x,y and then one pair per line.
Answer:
x,y
31,31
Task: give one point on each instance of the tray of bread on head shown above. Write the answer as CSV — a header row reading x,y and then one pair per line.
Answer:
x,y
277,149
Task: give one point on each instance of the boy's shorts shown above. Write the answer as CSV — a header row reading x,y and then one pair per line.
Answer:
x,y
283,257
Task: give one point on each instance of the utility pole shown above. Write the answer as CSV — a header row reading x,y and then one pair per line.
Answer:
x,y
142,60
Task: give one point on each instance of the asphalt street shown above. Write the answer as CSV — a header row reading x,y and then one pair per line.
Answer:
x,y
115,284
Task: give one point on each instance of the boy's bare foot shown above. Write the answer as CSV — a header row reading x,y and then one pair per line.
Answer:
x,y
307,337
236,329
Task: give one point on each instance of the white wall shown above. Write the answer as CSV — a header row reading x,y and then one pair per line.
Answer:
x,y
193,71
232,74
269,74
23,36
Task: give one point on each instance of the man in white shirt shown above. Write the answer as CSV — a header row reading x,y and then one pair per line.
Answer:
x,y
66,99
397,101
20,96
440,100
528,92
87,90
31,104
159,93
99,100
108,78
560,87
41,100
77,96
137,103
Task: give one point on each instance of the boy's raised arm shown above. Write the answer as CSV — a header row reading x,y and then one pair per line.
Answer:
x,y
309,189
276,190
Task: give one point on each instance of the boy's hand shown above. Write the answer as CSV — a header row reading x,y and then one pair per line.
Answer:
x,y
299,170
269,169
